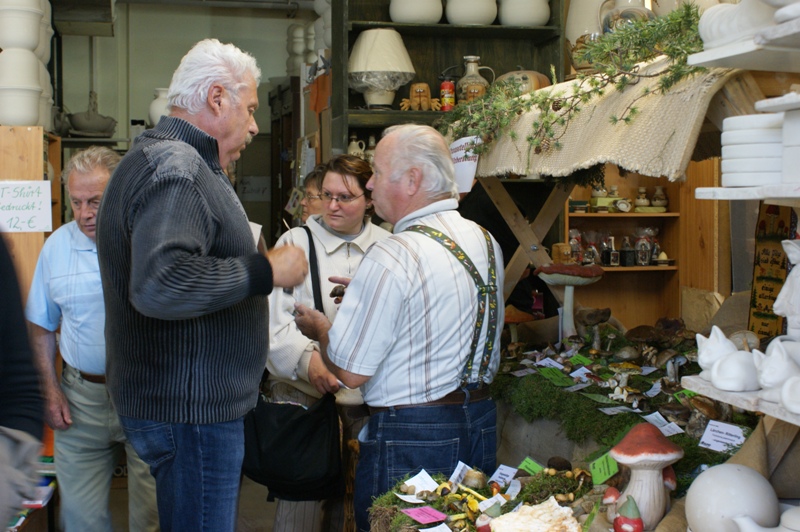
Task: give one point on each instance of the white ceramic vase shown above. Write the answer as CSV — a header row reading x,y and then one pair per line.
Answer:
x,y
42,51
471,12
415,11
19,106
158,107
526,13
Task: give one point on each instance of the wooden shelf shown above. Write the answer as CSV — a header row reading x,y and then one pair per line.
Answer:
x,y
535,35
775,49
366,118
630,269
624,215
745,400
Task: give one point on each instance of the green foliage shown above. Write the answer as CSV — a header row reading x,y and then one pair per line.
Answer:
x,y
613,57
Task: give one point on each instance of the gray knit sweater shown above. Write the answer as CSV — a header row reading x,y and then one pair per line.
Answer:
x,y
185,289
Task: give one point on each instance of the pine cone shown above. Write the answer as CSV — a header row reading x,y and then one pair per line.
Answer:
x,y
557,105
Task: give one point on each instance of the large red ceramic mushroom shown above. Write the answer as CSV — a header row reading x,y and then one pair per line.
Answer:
x,y
569,276
647,452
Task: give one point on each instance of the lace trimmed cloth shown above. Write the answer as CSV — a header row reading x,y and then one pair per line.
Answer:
x,y
658,141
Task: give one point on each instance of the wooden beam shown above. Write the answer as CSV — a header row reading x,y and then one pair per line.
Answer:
x,y
737,97
529,236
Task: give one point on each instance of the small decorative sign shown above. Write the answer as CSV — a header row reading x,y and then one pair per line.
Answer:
x,y
530,465
503,474
25,207
603,469
721,437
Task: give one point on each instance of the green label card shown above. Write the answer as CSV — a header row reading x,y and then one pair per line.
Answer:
x,y
684,394
555,376
603,469
581,360
530,465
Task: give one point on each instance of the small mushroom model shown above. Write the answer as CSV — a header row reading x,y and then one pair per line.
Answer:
x,y
646,451
514,316
623,370
569,276
593,317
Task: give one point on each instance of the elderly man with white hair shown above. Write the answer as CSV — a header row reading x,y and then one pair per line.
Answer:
x,y
419,328
186,290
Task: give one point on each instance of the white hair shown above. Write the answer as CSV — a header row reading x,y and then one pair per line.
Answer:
x,y
87,160
425,148
208,62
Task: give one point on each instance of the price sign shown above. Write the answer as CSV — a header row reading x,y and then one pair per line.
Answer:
x,y
25,207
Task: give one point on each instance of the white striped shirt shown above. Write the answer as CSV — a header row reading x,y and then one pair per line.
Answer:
x,y
409,314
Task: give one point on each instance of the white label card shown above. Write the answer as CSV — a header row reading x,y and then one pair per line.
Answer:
x,y
523,372
25,207
581,373
422,481
504,474
514,487
549,363
647,370
721,436
458,474
578,387
488,503
654,390
438,528
614,410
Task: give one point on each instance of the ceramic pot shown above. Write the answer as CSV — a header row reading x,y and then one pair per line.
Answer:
x,y
641,199
526,13
356,147
659,198
625,12
19,106
158,107
471,12
472,84
19,68
42,51
19,26
583,25
415,11
529,80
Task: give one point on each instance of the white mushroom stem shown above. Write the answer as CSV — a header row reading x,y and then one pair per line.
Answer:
x,y
568,313
512,328
646,486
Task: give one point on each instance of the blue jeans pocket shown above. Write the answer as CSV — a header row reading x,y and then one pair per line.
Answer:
x,y
435,456
152,440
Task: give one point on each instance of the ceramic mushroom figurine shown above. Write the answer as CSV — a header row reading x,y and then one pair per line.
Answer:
x,y
513,317
646,451
569,276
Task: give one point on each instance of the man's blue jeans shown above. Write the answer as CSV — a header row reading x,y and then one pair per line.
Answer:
x,y
403,441
197,470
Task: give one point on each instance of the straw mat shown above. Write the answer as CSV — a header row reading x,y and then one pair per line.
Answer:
x,y
658,142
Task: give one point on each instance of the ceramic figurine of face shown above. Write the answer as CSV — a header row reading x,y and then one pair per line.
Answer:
x,y
475,91
420,97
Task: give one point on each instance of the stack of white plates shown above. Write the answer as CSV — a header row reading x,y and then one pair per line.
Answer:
x,y
752,150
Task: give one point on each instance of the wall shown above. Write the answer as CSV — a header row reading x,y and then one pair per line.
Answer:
x,y
148,44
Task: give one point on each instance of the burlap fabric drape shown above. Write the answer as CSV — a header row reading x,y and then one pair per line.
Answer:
x,y
658,142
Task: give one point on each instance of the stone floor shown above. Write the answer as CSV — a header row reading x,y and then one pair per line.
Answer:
x,y
255,513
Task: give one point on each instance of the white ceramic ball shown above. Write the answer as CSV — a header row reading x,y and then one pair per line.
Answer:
x,y
730,490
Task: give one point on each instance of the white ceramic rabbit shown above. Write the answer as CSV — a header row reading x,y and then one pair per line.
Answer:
x,y
787,304
712,349
735,372
775,367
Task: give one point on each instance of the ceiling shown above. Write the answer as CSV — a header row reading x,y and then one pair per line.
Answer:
x,y
96,17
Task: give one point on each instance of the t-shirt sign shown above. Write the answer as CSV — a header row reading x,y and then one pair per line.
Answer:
x,y
25,207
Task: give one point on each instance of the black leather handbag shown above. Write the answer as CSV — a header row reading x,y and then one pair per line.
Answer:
x,y
293,450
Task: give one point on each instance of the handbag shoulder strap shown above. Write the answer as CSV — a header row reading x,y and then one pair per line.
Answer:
x,y
312,263
488,300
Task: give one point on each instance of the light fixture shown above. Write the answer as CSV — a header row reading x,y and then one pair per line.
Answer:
x,y
379,65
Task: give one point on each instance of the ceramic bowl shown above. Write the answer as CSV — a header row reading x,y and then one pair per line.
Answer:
x,y
19,27
92,123
19,106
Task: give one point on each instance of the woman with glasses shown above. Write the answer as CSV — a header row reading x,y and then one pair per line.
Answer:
x,y
341,236
312,201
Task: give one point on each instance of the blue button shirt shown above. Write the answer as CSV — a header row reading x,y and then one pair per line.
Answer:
x,y
66,290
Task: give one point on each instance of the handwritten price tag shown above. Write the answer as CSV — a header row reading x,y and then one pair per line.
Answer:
x,y
25,207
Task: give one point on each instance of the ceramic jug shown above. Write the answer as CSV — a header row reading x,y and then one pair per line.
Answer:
x,y
369,152
158,107
659,198
472,84
415,11
526,13
471,12
356,147
624,12
583,25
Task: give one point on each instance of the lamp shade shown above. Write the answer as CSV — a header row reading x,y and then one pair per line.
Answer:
x,y
379,64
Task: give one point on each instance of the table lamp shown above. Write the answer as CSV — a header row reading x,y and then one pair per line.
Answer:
x,y
379,64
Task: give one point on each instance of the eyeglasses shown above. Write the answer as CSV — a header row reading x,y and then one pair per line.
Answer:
x,y
341,198
313,196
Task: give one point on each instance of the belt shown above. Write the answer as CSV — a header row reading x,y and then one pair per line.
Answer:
x,y
92,377
456,397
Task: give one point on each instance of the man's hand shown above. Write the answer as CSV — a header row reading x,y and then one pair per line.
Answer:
x,y
312,323
320,376
289,266
56,410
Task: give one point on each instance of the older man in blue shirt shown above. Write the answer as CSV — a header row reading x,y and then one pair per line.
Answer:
x,y
66,291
